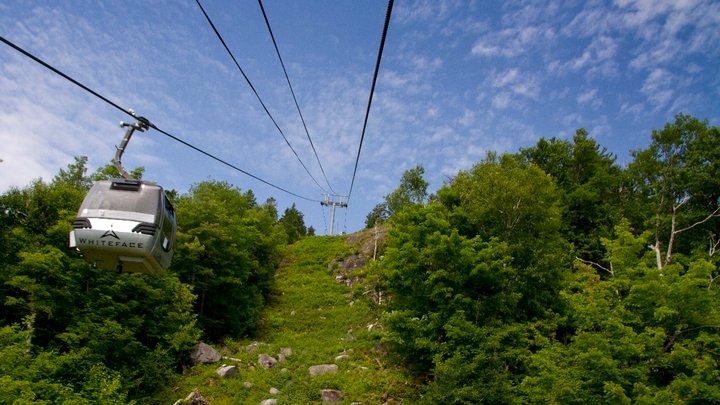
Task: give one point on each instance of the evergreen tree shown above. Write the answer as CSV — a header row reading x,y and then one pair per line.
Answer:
x,y
592,202
293,224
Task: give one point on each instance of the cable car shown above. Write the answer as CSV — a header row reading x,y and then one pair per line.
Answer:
x,y
126,224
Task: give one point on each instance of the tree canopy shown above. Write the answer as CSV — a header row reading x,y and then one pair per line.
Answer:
x,y
554,275
72,333
548,275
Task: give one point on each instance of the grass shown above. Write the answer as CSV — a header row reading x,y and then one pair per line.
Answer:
x,y
319,319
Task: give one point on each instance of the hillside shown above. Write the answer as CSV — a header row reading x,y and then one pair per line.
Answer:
x,y
322,311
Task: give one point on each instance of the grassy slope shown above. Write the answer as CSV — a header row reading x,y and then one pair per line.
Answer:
x,y
318,319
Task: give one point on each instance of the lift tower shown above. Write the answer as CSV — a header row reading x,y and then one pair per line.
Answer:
x,y
334,200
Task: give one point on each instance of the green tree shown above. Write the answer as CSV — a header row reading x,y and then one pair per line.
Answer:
x,y
592,201
29,375
634,336
227,249
293,224
412,190
465,273
75,175
110,171
679,173
96,336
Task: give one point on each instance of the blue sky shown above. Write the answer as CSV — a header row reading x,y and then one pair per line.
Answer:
x,y
458,79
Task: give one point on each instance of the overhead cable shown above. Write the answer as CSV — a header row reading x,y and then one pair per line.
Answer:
x,y
372,91
247,79
277,50
150,124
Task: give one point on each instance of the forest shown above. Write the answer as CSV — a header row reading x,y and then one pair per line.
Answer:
x,y
549,275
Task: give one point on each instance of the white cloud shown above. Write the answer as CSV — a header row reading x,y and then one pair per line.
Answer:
x,y
635,110
589,97
504,78
519,83
596,59
467,119
501,101
657,87
512,41
591,21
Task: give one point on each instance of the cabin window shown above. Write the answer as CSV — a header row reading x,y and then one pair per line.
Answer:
x,y
102,197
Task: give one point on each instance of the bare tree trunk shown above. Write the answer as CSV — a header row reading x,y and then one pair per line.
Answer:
x,y
671,242
656,247
658,255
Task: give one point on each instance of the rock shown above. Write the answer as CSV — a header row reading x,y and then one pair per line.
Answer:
x,y
322,369
267,361
194,398
252,347
329,396
342,357
285,352
227,371
204,354
274,391
247,384
271,401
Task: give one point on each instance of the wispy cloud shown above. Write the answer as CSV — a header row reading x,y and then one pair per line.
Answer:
x,y
458,79
658,88
512,41
590,97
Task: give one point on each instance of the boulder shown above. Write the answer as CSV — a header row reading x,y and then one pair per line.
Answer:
x,y
204,354
225,371
322,369
194,398
267,361
329,396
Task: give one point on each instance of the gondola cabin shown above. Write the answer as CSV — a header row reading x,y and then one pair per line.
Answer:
x,y
126,225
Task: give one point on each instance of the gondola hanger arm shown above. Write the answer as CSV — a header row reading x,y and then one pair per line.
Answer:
x,y
141,125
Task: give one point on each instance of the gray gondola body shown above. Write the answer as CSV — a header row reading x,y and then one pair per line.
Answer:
x,y
126,225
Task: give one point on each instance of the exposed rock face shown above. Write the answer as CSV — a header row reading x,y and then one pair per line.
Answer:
x,y
323,369
225,371
204,354
267,361
329,396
